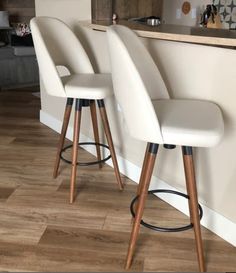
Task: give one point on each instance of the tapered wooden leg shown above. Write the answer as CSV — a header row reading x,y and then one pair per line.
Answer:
x,y
143,172
95,129
143,168
63,134
193,202
110,142
144,186
188,191
77,122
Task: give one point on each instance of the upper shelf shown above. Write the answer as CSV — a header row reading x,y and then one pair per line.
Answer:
x,y
216,37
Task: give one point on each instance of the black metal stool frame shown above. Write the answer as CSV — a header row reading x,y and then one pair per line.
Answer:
x,y
164,229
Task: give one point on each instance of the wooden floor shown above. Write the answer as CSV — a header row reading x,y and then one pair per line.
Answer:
x,y
40,231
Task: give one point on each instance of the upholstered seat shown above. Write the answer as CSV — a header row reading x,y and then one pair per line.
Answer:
x,y
57,46
152,116
189,122
89,86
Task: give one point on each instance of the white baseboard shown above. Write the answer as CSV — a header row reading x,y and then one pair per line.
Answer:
x,y
212,220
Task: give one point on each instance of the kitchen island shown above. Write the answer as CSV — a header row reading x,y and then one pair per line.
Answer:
x,y
197,35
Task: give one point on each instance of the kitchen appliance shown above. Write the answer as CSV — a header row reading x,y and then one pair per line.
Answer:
x,y
151,20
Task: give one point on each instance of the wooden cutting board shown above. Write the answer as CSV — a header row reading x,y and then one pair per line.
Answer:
x,y
217,22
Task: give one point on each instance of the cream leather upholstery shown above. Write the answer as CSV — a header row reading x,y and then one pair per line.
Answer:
x,y
189,122
89,86
142,95
57,46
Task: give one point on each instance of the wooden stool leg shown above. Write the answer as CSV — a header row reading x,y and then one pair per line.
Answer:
x,y
77,122
110,141
147,175
193,202
188,191
143,172
66,120
95,129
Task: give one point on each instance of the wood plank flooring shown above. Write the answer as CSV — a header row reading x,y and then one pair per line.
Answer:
x,y
41,231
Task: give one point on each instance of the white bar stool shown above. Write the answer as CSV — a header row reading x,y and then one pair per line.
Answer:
x,y
56,45
153,117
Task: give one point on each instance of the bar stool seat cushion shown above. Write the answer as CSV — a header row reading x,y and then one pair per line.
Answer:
x,y
88,86
189,122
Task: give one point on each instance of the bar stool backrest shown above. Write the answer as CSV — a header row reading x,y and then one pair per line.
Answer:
x,y
56,45
136,80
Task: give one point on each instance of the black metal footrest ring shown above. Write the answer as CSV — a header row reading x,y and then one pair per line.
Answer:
x,y
163,229
85,163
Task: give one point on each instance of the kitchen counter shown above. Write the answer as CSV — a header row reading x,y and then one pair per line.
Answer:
x,y
197,35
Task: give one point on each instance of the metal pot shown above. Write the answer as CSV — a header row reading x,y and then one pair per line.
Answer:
x,y
153,22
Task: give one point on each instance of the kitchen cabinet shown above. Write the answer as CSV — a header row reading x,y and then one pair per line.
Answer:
x,y
103,9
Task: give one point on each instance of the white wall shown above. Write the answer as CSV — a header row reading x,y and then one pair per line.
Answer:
x,y
70,10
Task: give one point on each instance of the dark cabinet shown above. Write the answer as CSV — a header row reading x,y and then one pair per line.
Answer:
x,y
125,9
102,9
17,70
